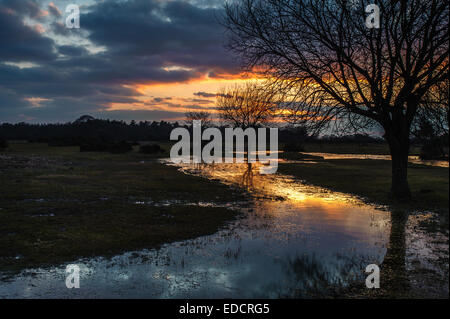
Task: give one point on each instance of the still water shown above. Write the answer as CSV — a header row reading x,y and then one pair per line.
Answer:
x,y
412,158
292,240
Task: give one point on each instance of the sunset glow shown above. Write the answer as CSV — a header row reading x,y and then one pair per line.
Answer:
x,y
193,95
118,64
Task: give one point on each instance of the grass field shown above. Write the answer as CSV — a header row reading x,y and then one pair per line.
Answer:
x,y
57,204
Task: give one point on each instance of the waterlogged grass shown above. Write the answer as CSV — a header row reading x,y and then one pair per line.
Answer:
x,y
353,148
57,204
371,179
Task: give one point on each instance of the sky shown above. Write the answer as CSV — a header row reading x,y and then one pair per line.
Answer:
x,y
129,60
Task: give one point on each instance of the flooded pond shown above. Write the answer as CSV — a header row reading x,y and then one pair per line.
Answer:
x,y
292,240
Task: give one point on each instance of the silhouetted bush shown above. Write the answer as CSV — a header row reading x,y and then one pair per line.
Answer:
x,y
293,147
38,140
150,149
120,147
3,143
103,146
432,149
66,141
94,145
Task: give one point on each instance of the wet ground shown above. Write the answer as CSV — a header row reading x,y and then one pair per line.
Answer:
x,y
411,159
292,240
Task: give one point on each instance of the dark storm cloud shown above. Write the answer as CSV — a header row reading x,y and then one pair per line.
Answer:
x,y
143,41
28,8
10,100
59,28
19,42
72,50
176,31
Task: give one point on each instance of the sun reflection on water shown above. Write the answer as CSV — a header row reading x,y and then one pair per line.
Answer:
x,y
291,238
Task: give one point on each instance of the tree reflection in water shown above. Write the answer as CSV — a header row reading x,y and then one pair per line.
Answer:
x,y
247,178
393,269
311,277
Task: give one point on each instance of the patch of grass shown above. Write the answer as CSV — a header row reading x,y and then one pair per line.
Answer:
x,y
73,152
57,204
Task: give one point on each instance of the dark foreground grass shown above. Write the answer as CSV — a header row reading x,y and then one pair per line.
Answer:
x,y
57,204
371,179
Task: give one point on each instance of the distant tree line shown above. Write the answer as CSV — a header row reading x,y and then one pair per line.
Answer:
x,y
118,136
87,128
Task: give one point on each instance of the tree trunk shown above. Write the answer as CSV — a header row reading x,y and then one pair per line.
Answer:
x,y
400,187
399,147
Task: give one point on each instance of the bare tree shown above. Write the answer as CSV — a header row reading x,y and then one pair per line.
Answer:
x,y
247,105
340,71
205,117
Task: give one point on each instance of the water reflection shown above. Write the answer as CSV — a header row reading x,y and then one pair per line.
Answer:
x,y
247,178
394,264
412,159
293,240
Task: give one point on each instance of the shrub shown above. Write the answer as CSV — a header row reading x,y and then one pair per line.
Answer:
x,y
431,149
293,147
38,140
120,147
65,141
94,146
150,149
3,143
